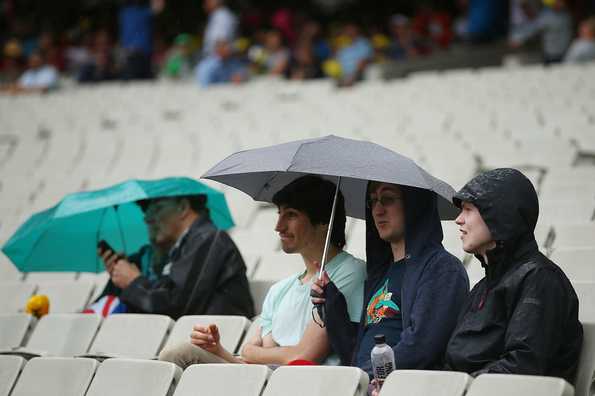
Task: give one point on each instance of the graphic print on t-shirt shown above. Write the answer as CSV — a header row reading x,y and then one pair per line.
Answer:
x,y
381,306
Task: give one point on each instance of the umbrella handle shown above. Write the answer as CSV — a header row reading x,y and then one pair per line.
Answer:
x,y
330,229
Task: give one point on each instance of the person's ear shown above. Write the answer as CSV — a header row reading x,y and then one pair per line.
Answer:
x,y
183,208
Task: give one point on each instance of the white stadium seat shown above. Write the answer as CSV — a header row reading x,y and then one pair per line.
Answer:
x,y
36,277
259,290
66,296
320,381
10,368
577,264
131,335
223,380
519,385
131,377
64,335
55,377
14,296
424,382
586,300
14,329
585,376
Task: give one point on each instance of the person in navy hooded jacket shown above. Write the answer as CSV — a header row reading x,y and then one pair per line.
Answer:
x,y
414,288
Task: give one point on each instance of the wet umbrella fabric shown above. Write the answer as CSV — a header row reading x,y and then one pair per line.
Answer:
x,y
262,172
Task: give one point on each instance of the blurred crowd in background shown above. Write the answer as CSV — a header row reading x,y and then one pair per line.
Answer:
x,y
215,41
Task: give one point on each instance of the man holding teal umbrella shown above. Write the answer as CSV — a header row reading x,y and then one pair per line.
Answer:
x,y
204,273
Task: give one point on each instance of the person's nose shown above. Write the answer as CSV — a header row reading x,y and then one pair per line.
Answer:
x,y
378,209
280,226
459,220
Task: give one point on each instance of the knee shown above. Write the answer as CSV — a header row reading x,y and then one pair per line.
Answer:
x,y
175,354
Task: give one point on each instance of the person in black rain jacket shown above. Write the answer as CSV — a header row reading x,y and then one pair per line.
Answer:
x,y
522,317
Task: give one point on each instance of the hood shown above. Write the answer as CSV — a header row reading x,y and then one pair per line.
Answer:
x,y
506,200
423,230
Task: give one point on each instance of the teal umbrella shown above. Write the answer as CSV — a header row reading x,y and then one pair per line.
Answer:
x,y
64,237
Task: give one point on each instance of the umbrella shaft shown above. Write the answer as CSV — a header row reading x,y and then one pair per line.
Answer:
x,y
330,229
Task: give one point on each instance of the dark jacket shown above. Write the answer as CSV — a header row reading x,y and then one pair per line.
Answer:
x,y
207,276
435,286
522,317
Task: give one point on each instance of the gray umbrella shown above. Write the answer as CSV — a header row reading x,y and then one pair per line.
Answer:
x,y
262,172
349,163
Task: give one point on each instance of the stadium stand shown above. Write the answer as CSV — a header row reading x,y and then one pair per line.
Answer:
x,y
453,123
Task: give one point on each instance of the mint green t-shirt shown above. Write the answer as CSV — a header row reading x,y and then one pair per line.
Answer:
x,y
287,308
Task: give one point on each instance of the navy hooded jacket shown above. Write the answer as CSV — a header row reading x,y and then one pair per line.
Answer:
x,y
434,288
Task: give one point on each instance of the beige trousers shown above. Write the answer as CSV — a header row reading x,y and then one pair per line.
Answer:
x,y
186,354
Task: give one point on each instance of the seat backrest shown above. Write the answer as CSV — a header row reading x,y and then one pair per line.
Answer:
x,y
586,300
585,376
66,296
55,377
64,334
223,380
277,266
14,296
35,277
137,336
131,377
10,368
577,264
231,329
13,329
318,380
425,382
519,385
8,272
259,290
575,235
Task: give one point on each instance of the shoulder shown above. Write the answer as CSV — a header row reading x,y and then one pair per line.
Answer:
x,y
443,261
541,269
279,288
350,266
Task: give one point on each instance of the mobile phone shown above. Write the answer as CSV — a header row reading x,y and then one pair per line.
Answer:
x,y
103,246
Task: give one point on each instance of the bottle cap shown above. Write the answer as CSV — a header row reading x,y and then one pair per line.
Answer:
x,y
379,339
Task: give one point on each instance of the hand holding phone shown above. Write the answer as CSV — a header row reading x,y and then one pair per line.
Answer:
x,y
108,255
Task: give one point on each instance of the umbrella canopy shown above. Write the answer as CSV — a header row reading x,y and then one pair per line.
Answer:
x,y
262,172
64,237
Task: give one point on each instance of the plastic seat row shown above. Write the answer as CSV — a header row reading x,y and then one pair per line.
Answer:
x,y
128,377
141,336
123,335
79,377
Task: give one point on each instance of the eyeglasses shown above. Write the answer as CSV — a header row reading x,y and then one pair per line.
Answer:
x,y
385,200
158,208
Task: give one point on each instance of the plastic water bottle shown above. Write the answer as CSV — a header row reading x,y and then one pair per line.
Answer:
x,y
383,359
